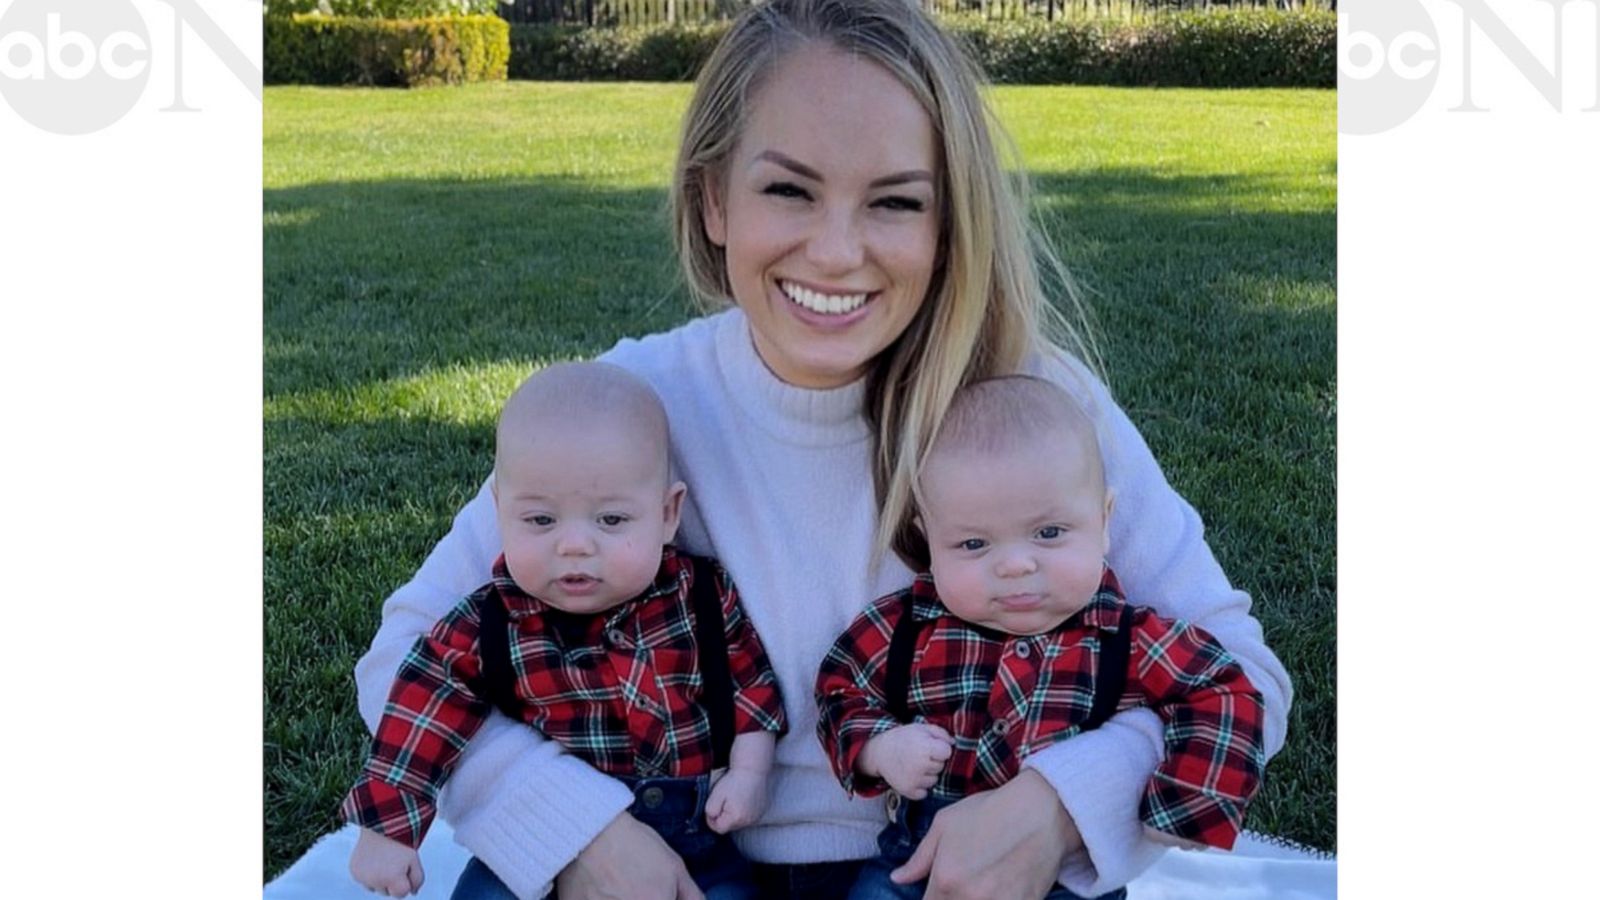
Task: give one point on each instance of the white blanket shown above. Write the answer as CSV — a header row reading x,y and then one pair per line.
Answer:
x,y
1256,869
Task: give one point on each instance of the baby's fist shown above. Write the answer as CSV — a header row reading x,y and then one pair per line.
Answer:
x,y
737,799
385,865
909,757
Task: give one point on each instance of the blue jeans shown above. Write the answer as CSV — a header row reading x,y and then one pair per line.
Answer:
x,y
909,824
805,881
676,809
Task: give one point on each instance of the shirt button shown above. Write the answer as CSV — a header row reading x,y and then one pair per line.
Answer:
x,y
616,637
999,727
1022,650
651,797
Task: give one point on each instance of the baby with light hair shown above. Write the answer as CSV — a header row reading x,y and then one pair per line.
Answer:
x,y
1017,636
631,654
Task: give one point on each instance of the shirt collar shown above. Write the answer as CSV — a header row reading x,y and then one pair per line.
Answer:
x,y
671,576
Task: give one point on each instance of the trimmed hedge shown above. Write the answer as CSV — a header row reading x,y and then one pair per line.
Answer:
x,y
314,49
382,9
1234,48
1238,48
631,53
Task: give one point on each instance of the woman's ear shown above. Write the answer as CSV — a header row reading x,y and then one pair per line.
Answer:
x,y
713,213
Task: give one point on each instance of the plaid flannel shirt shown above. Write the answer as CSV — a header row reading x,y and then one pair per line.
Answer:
x,y
1005,696
619,689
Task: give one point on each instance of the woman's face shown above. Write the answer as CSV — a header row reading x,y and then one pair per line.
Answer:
x,y
828,214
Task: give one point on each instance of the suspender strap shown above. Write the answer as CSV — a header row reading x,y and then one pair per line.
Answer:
x,y
497,683
897,668
1110,681
1112,678
715,678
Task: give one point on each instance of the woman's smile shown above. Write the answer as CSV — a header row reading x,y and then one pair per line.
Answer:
x,y
826,309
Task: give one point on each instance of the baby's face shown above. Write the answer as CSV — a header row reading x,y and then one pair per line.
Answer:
x,y
583,518
1018,538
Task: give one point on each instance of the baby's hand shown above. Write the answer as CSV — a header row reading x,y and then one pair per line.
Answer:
x,y
737,799
385,865
909,757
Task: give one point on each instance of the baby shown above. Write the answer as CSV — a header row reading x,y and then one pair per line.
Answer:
x,y
592,631
1019,637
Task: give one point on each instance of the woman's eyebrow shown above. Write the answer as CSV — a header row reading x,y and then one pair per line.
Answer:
x,y
805,171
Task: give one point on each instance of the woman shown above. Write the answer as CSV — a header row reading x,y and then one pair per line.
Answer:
x,y
837,183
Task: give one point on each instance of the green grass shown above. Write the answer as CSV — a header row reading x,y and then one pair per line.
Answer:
x,y
426,249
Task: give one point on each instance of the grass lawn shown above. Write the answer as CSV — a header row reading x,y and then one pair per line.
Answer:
x,y
426,249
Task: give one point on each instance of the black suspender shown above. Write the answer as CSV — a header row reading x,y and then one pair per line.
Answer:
x,y
1112,677
897,668
1109,682
716,682
497,683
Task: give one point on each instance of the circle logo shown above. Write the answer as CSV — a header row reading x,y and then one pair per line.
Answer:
x,y
1388,64
73,66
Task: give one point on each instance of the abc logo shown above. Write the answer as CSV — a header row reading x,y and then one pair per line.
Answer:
x,y
1388,64
73,67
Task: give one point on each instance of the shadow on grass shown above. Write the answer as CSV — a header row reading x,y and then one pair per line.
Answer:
x,y
1215,300
369,280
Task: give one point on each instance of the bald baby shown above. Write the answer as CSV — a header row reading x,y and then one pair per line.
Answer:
x,y
583,401
1000,415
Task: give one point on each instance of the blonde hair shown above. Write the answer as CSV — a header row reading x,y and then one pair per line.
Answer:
x,y
985,311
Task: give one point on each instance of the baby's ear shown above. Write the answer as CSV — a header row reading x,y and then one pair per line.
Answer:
x,y
1111,504
672,509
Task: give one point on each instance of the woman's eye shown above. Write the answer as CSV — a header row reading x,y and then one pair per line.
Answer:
x,y
787,190
972,544
901,204
612,520
1051,532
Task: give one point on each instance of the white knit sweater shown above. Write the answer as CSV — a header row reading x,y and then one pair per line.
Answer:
x,y
780,490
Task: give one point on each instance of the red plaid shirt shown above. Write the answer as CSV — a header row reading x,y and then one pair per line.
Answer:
x,y
1005,696
619,689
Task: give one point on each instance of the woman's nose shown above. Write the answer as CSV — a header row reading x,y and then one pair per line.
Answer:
x,y
835,246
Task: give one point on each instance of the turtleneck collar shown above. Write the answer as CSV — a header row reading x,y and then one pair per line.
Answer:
x,y
797,415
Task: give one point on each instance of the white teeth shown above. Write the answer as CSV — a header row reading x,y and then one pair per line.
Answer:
x,y
826,304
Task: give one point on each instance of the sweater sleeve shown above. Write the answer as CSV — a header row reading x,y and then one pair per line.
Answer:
x,y
517,802
1159,552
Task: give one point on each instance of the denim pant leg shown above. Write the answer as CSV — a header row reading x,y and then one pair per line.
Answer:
x,y
805,881
898,840
676,809
478,883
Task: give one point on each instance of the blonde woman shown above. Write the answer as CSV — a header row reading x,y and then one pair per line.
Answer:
x,y
839,197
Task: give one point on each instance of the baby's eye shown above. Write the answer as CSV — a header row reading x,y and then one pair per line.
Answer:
x,y
971,544
540,519
1051,532
787,190
612,520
